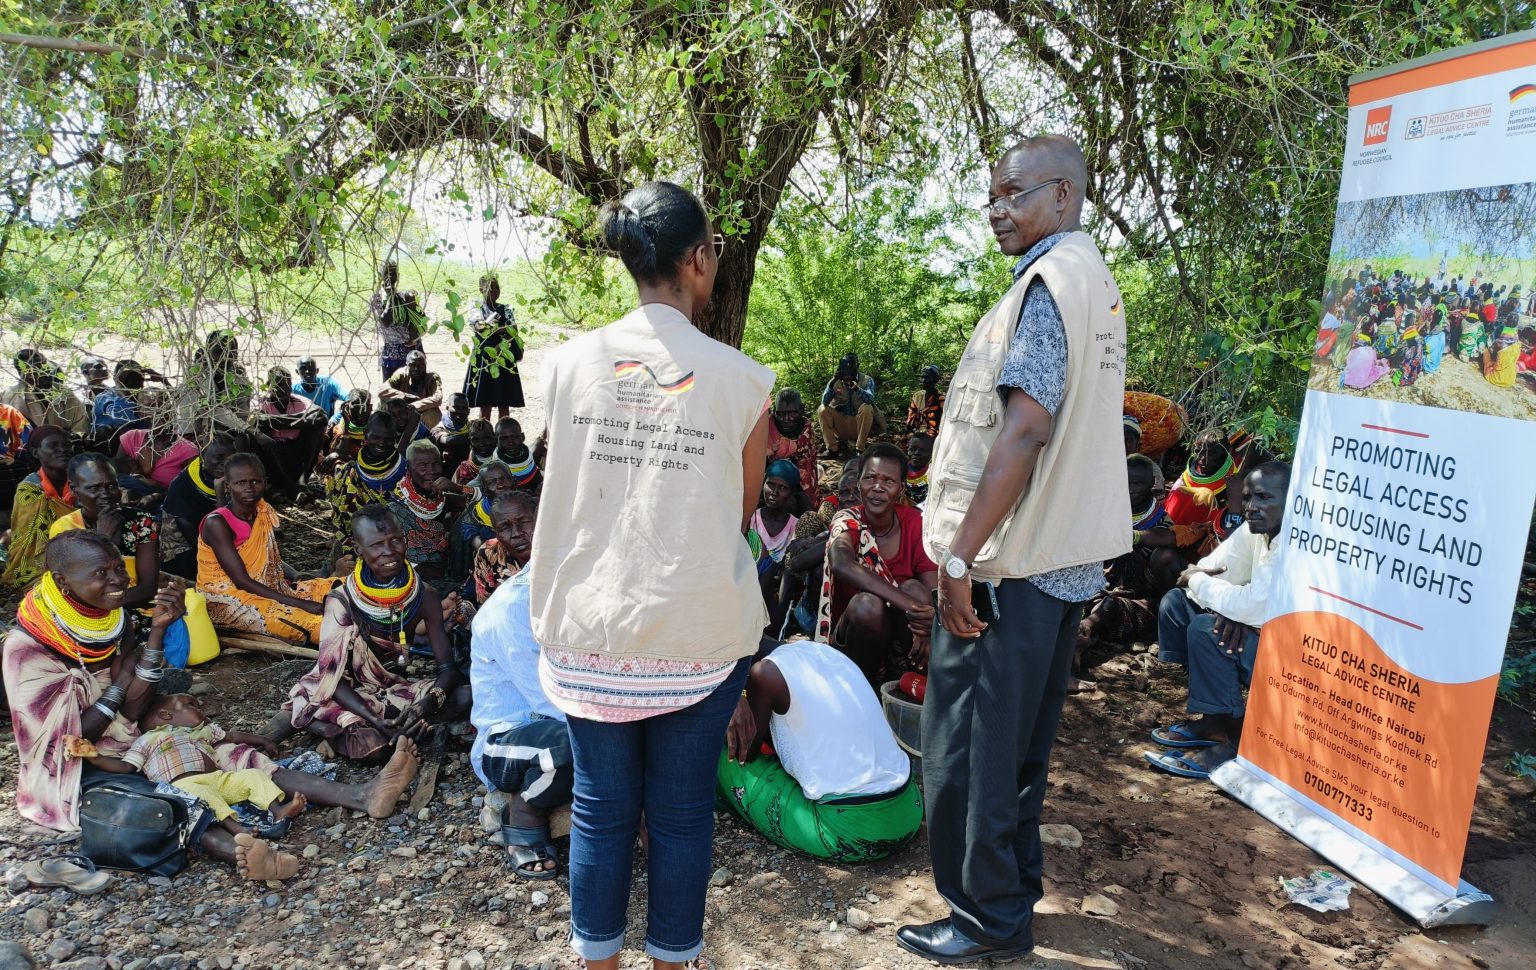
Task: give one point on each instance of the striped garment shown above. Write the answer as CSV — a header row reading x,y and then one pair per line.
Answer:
x,y
617,690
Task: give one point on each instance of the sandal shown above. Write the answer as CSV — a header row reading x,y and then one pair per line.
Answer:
x,y
528,846
1198,766
1179,735
75,873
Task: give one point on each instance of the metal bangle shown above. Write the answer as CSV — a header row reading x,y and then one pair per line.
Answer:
x,y
107,710
150,676
114,695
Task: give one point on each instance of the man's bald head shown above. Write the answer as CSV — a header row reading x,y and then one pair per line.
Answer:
x,y
1037,191
1053,156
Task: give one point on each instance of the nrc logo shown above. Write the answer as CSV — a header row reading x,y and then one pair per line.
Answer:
x,y
1377,121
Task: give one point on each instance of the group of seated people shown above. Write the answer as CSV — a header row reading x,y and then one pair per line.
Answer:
x,y
433,524
1399,329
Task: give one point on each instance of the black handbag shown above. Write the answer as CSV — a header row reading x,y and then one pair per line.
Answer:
x,y
125,827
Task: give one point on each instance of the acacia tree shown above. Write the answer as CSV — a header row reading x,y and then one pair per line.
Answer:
x,y
220,143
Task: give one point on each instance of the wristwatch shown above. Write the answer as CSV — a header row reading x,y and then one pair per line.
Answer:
x,y
956,568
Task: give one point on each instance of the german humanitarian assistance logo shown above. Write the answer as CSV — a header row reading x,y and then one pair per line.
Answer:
x,y
625,369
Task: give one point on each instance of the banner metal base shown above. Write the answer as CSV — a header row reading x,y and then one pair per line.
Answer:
x,y
1429,905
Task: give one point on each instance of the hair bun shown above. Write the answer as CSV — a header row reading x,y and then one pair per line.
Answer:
x,y
626,234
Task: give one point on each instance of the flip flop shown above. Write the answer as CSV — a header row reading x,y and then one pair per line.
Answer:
x,y
1198,766
75,873
1178,735
1177,764
528,846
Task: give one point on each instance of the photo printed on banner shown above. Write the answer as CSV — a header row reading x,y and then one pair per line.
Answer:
x,y
1431,299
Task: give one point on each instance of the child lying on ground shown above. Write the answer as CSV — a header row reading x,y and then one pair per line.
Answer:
x,y
181,747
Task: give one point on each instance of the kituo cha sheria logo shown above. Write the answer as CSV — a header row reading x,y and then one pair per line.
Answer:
x,y
1377,121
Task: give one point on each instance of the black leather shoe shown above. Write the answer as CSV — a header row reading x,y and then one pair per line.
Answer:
x,y
940,942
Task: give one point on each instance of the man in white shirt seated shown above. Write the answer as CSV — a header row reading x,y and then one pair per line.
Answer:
x,y
1209,624
522,746
838,787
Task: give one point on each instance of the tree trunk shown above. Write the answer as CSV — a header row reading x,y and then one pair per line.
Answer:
x,y
725,318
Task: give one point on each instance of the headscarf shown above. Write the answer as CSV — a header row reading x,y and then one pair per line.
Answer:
x,y
42,433
784,470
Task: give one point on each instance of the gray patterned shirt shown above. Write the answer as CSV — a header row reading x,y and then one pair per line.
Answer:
x,y
1037,365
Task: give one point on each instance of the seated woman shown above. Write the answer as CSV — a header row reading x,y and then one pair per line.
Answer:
x,y
770,532
806,559
192,495
452,433
512,450
134,532
71,671
475,527
877,587
354,697
1363,367
482,449
837,787
1501,359
369,478
151,458
1434,339
427,506
240,567
41,498
1474,340
506,553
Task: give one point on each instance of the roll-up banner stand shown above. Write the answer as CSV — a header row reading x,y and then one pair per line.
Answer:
x,y
1411,491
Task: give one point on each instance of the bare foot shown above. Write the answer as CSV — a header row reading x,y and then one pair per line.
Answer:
x,y
394,778
258,861
291,808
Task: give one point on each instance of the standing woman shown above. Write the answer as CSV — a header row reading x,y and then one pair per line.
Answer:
x,y
646,617
492,379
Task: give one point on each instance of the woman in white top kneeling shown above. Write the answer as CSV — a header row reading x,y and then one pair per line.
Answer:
x,y
837,787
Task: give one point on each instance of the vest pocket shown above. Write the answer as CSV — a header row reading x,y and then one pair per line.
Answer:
x,y
973,400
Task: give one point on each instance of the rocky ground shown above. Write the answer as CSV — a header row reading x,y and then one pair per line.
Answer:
x,y
1143,870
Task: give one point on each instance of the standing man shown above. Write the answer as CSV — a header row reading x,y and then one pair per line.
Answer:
x,y
1027,495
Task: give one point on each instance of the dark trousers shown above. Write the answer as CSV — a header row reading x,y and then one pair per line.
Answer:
x,y
1186,636
989,720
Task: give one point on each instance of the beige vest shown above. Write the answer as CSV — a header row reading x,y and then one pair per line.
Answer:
x,y
1075,508
638,549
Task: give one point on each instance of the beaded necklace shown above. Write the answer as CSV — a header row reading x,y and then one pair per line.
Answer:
x,y
392,606
1148,519
483,511
1192,480
420,506
382,475
522,471
73,629
195,472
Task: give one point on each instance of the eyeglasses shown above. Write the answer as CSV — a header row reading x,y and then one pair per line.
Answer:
x,y
996,207
719,241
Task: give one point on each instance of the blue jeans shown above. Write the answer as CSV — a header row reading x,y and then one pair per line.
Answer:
x,y
1186,636
664,766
